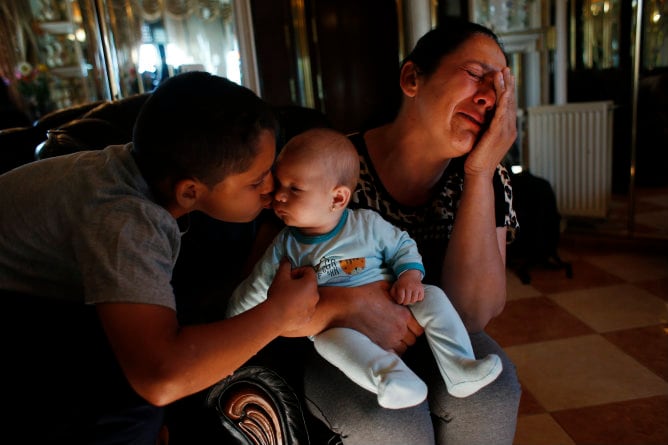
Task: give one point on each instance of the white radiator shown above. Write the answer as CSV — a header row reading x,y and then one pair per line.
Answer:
x,y
571,147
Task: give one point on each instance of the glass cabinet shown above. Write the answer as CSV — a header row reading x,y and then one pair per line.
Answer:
x,y
54,65
155,39
601,34
655,35
59,53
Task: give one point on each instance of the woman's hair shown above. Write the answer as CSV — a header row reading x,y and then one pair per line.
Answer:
x,y
427,54
199,126
443,40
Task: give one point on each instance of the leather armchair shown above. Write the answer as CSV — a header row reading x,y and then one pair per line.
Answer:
x,y
257,404
17,145
261,403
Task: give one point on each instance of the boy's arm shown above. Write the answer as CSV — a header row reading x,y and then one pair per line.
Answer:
x,y
164,361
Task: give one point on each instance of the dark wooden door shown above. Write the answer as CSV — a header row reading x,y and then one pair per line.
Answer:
x,y
345,52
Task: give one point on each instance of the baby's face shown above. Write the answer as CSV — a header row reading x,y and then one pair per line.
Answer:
x,y
303,195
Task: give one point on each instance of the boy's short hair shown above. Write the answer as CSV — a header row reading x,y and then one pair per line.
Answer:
x,y
199,126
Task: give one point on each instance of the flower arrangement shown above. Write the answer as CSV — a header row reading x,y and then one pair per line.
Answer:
x,y
33,84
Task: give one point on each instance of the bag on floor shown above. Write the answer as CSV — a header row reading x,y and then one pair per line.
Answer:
x,y
537,239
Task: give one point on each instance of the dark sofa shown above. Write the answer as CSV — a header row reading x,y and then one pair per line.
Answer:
x,y
262,403
17,145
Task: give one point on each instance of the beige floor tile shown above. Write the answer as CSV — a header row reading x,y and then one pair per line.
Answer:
x,y
582,371
515,289
537,319
616,307
540,429
632,267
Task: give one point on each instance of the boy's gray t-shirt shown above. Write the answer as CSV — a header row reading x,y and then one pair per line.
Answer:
x,y
85,227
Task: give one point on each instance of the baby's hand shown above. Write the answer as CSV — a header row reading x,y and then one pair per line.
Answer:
x,y
408,288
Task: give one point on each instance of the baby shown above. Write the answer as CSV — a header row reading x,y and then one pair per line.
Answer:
x,y
316,174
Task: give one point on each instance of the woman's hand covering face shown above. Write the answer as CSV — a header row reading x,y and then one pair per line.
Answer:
x,y
502,131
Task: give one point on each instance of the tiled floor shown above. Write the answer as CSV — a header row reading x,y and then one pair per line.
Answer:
x,y
591,351
651,212
650,215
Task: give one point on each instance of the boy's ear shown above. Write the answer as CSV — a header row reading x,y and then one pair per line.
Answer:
x,y
187,192
340,197
408,79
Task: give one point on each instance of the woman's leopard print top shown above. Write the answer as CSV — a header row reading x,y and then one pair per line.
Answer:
x,y
429,225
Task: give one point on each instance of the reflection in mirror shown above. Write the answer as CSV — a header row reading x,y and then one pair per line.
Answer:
x,y
655,54
170,37
639,207
651,183
600,23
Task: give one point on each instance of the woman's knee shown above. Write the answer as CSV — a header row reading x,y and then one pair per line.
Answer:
x,y
488,416
354,413
507,385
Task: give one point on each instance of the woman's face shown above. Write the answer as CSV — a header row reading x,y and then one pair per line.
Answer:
x,y
456,102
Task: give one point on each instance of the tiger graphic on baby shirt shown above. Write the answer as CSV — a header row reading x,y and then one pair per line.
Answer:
x,y
329,268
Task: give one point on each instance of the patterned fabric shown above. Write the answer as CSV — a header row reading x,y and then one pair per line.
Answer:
x,y
430,225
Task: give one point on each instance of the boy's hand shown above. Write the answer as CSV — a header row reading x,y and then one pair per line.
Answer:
x,y
408,288
294,292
